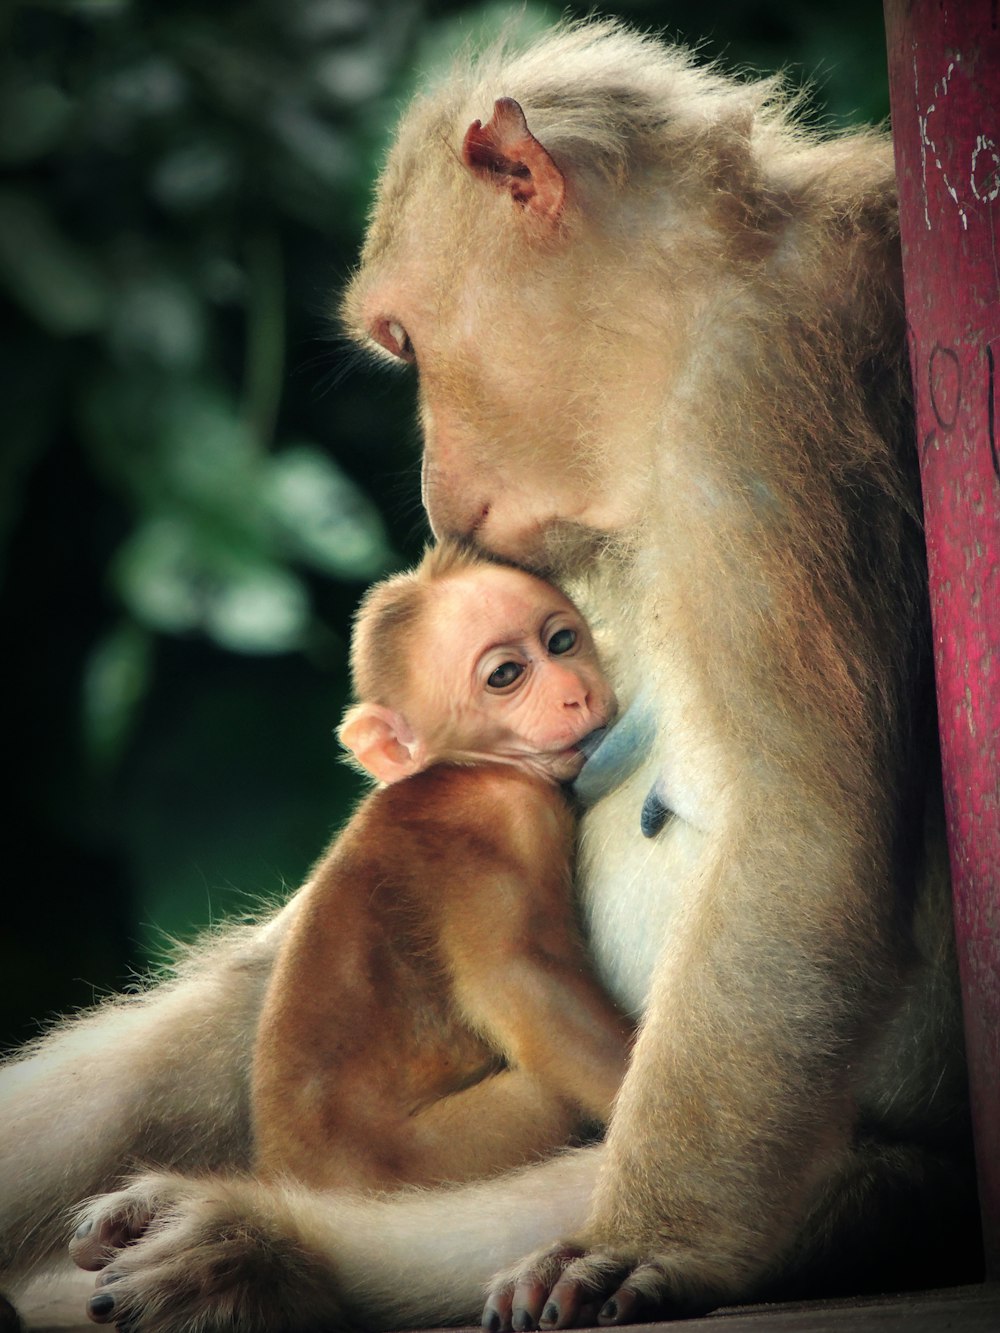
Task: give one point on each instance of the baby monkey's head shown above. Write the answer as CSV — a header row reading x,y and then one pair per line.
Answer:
x,y
465,660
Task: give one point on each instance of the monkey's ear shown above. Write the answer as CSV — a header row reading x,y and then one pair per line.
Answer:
x,y
381,742
506,153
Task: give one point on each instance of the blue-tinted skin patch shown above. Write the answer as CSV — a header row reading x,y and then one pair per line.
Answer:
x,y
614,753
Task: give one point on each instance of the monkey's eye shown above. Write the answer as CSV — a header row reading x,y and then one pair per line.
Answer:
x,y
562,641
394,338
505,675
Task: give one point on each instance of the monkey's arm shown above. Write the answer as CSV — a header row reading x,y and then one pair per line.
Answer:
x,y
550,1018
517,960
159,1076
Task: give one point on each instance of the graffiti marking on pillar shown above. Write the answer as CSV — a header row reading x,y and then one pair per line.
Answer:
x,y
988,189
945,380
991,410
927,144
984,165
924,140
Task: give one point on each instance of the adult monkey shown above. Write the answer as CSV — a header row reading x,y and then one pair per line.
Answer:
x,y
660,342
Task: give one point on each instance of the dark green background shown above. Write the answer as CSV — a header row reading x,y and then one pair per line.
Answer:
x,y
197,476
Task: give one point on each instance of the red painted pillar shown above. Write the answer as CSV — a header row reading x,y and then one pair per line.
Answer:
x,y
944,77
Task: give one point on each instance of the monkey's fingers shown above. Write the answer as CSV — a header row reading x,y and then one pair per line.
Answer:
x,y
107,1223
605,1288
517,1297
582,1289
647,1293
208,1264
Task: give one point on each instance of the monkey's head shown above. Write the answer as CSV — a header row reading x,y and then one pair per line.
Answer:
x,y
466,661
521,270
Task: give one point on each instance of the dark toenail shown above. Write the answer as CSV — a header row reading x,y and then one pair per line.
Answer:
x,y
101,1305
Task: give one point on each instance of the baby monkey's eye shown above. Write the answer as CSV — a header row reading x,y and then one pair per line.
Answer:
x,y
562,641
505,675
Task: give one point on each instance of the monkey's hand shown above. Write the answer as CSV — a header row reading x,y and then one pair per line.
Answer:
x,y
564,1287
181,1254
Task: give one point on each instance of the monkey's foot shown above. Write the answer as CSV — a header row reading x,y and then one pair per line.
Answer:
x,y
565,1288
178,1255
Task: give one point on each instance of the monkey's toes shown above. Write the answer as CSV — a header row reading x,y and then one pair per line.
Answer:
x,y
518,1297
565,1288
208,1261
107,1224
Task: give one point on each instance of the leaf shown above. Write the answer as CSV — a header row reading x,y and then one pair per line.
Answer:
x,y
33,120
159,320
115,681
176,578
51,277
260,609
160,576
194,176
323,517
175,441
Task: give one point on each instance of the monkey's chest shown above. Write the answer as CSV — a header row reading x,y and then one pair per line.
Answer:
x,y
629,887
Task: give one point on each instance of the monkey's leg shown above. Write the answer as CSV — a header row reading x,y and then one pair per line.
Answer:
x,y
505,1121
892,1214
896,1216
738,1106
197,1254
160,1077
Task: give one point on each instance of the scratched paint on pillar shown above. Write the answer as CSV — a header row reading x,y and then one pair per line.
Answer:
x,y
944,72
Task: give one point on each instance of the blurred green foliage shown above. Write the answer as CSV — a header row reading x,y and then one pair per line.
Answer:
x,y
197,479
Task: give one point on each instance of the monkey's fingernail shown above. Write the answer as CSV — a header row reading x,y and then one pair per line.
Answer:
x,y
84,1229
100,1306
550,1316
609,1311
522,1321
106,1279
492,1322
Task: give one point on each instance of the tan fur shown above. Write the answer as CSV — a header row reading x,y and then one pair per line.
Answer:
x,y
431,1016
687,392
387,617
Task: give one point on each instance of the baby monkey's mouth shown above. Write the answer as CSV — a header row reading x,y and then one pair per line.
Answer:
x,y
589,743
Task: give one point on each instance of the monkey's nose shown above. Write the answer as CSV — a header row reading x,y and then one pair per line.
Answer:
x,y
574,691
576,699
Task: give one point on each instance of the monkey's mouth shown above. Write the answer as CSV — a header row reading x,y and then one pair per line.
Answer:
x,y
588,744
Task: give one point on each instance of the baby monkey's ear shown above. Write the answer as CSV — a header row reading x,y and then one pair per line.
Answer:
x,y
381,742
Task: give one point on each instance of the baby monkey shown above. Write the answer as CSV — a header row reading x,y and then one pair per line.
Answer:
x,y
432,1016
